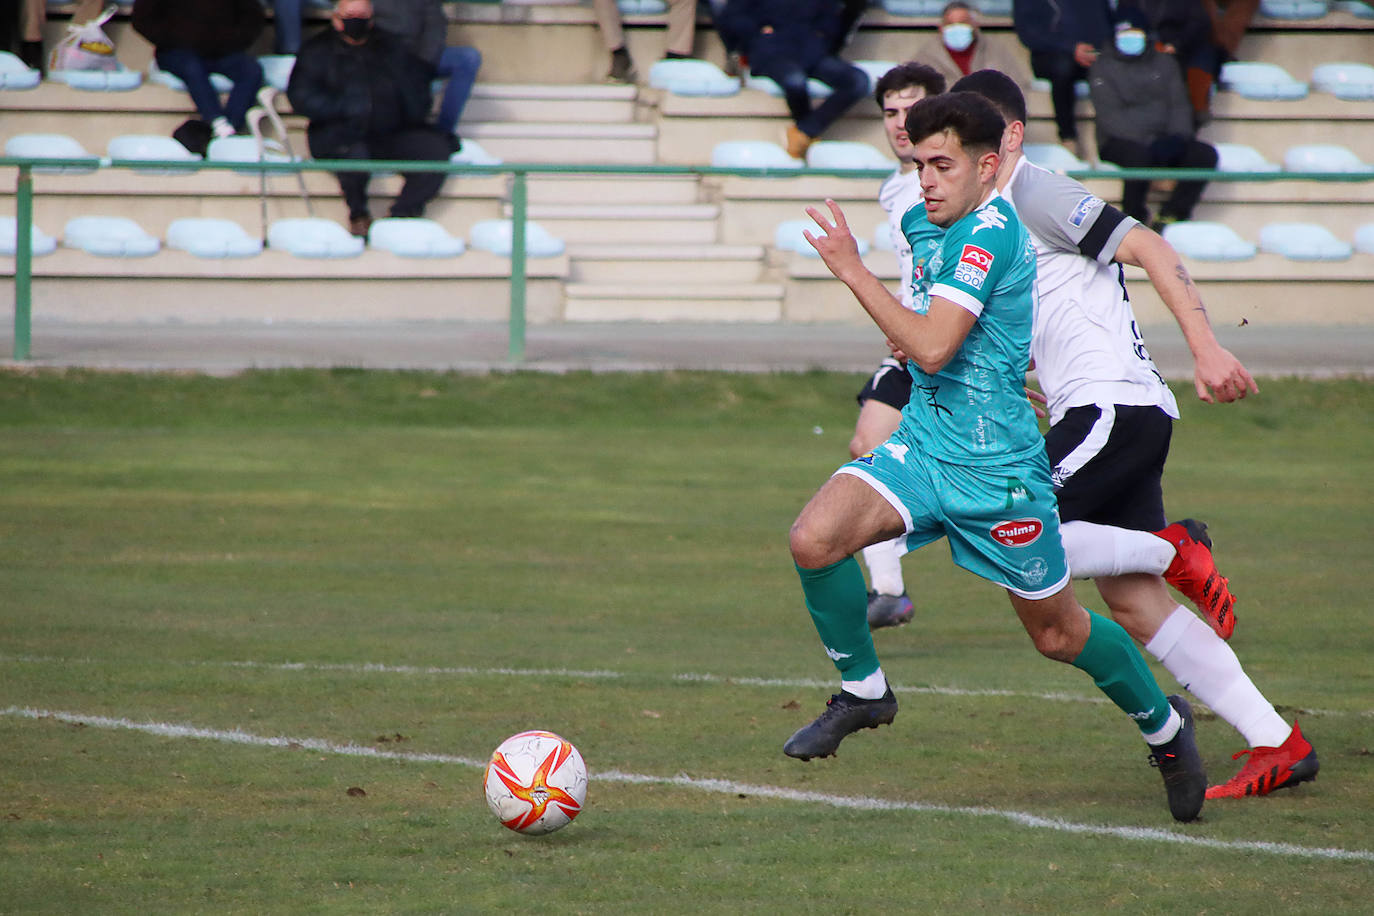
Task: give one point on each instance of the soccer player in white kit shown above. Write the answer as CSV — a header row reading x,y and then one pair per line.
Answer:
x,y
1110,420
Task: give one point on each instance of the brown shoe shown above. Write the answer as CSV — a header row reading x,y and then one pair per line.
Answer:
x,y
358,225
798,142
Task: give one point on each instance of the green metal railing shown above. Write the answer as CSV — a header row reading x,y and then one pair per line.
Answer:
x,y
519,172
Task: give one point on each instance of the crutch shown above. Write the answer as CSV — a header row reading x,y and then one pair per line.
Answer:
x,y
267,109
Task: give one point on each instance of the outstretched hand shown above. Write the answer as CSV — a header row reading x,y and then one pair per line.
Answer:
x,y
836,247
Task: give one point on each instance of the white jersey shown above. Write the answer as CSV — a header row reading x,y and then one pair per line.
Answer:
x,y
1086,343
900,192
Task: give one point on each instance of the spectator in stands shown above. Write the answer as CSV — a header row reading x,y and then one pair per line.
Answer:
x,y
791,41
1144,118
1184,29
21,29
286,25
367,97
194,38
682,26
1063,37
422,25
960,47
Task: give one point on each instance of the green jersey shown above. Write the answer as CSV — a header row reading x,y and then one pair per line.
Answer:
x,y
974,411
924,239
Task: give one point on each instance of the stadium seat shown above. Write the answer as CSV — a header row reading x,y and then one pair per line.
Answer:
x,y
51,146
150,147
788,237
692,78
1266,82
312,237
245,149
157,75
39,241
841,154
814,87
1322,157
882,237
1359,8
1052,156
914,7
120,80
212,238
875,69
1080,88
642,7
1294,9
752,154
472,153
1352,82
1237,157
1207,241
109,236
993,7
414,238
1303,242
15,74
1364,238
276,70
495,235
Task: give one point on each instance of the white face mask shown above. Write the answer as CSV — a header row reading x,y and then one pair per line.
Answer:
x,y
1130,42
958,36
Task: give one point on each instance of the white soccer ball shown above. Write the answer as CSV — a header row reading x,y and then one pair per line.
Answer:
x,y
536,782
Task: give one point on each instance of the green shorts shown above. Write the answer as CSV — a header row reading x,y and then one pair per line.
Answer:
x,y
1001,520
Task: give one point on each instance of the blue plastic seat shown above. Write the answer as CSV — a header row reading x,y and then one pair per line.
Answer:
x,y
245,149
276,70
121,80
152,147
788,237
1052,156
156,74
752,154
874,68
1266,82
1352,82
312,237
841,154
882,237
1355,8
814,87
1207,241
414,238
1303,242
39,241
692,78
495,236
109,236
15,74
472,153
207,237
1081,89
1237,157
1322,157
1294,9
914,7
642,7
51,146
1364,238
993,7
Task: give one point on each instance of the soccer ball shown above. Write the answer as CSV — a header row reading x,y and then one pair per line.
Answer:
x,y
535,782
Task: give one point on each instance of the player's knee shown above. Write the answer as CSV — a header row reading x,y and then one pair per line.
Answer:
x,y
809,549
1055,642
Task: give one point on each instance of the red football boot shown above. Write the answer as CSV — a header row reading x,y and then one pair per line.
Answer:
x,y
1271,768
1194,573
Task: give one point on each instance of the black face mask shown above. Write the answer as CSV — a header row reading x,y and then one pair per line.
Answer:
x,y
358,27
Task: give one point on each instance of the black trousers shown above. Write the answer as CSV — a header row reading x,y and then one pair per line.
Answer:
x,y
422,143
1060,68
1130,154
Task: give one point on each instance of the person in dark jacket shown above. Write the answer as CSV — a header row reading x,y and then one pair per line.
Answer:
x,y
1184,29
791,41
195,38
1064,38
423,26
368,97
1144,118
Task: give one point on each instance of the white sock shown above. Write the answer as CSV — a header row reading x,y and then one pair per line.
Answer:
x,y
884,562
870,688
1167,731
1208,669
1104,550
222,127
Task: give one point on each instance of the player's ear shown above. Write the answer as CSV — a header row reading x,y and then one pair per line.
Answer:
x,y
987,166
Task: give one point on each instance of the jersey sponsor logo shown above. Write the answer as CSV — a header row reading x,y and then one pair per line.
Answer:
x,y
1080,213
1035,570
973,266
866,458
989,218
1018,532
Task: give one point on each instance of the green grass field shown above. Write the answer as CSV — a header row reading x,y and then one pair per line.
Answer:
x,y
391,572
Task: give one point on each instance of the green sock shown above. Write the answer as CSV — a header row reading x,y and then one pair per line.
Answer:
x,y
838,601
1120,672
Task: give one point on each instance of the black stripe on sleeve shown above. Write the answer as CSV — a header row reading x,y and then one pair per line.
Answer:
x,y
1100,231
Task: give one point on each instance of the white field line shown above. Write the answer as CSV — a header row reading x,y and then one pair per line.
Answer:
x,y
366,668
718,786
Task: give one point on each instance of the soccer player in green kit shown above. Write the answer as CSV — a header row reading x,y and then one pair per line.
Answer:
x,y
967,462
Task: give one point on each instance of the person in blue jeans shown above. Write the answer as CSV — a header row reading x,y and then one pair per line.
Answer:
x,y
195,38
422,26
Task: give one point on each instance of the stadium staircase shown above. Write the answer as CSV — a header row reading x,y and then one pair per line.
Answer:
x,y
646,248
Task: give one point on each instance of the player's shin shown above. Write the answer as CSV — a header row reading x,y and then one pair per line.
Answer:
x,y
1117,668
838,601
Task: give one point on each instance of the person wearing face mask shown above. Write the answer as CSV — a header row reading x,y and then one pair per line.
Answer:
x,y
368,97
1145,119
960,47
